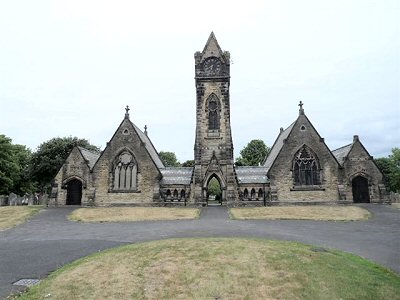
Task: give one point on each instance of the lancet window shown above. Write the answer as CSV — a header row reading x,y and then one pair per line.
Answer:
x,y
213,112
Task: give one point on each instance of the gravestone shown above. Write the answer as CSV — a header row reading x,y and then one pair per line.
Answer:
x,y
13,199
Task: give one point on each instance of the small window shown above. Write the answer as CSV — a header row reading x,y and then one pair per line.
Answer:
x,y
303,128
125,131
246,194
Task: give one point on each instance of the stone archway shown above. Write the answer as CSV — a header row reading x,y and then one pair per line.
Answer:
x,y
74,192
214,191
360,190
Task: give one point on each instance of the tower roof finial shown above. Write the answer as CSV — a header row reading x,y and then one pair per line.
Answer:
x,y
301,110
127,109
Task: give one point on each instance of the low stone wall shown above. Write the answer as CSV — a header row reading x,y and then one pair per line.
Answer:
x,y
394,197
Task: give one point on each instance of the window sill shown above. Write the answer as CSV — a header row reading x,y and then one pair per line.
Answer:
x,y
307,188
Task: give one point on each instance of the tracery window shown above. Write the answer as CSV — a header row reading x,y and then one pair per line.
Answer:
x,y
213,112
306,167
125,172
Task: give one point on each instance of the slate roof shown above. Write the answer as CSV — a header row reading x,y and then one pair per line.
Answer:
x,y
149,147
276,148
90,156
172,175
341,153
252,174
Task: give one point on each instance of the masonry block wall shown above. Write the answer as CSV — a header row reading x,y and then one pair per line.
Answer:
x,y
281,173
359,163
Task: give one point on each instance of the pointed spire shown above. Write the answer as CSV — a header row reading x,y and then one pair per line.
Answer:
x,y
212,47
301,110
127,109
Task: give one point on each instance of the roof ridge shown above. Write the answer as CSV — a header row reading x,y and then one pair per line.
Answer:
x,y
342,147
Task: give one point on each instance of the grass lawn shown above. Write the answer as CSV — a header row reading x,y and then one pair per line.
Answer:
x,y
11,216
129,214
315,212
219,268
396,205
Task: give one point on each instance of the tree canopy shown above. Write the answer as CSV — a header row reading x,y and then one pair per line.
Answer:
x,y
14,167
390,167
253,154
50,156
188,163
169,159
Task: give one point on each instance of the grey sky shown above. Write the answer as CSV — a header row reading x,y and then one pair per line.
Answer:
x,y
70,68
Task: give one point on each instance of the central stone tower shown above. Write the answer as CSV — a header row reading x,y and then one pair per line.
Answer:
x,y
213,149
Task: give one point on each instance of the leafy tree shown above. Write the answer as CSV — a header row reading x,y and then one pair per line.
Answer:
x,y
214,188
253,154
14,164
188,163
390,167
50,156
169,159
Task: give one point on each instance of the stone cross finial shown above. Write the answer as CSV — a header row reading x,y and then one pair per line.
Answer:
x,y
145,129
127,109
301,110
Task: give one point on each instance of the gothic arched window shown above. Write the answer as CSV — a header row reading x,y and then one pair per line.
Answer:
x,y
306,167
246,193
213,112
260,193
125,172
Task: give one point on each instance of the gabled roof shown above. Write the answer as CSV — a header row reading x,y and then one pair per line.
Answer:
x,y
342,152
149,147
247,174
90,156
173,175
277,146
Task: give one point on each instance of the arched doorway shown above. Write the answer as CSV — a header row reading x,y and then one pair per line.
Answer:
x,y
360,190
214,191
74,192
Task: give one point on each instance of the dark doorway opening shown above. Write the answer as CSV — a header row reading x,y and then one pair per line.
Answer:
x,y
214,191
360,190
74,192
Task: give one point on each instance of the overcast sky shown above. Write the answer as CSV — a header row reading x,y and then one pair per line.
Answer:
x,y
70,68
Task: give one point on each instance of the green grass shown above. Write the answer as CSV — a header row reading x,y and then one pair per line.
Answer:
x,y
314,212
11,216
219,268
132,214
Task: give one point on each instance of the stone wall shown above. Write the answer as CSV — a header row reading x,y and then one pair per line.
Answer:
x,y
281,173
148,176
74,167
360,163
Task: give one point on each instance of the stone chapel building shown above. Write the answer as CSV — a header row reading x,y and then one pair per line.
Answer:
x,y
299,169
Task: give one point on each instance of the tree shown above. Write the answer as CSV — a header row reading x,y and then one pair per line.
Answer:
x,y
50,156
214,188
14,166
253,154
390,167
169,159
188,163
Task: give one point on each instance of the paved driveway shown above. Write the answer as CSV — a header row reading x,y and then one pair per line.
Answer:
x,y
49,240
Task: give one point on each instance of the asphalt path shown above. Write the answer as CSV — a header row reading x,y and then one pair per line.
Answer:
x,y
49,241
